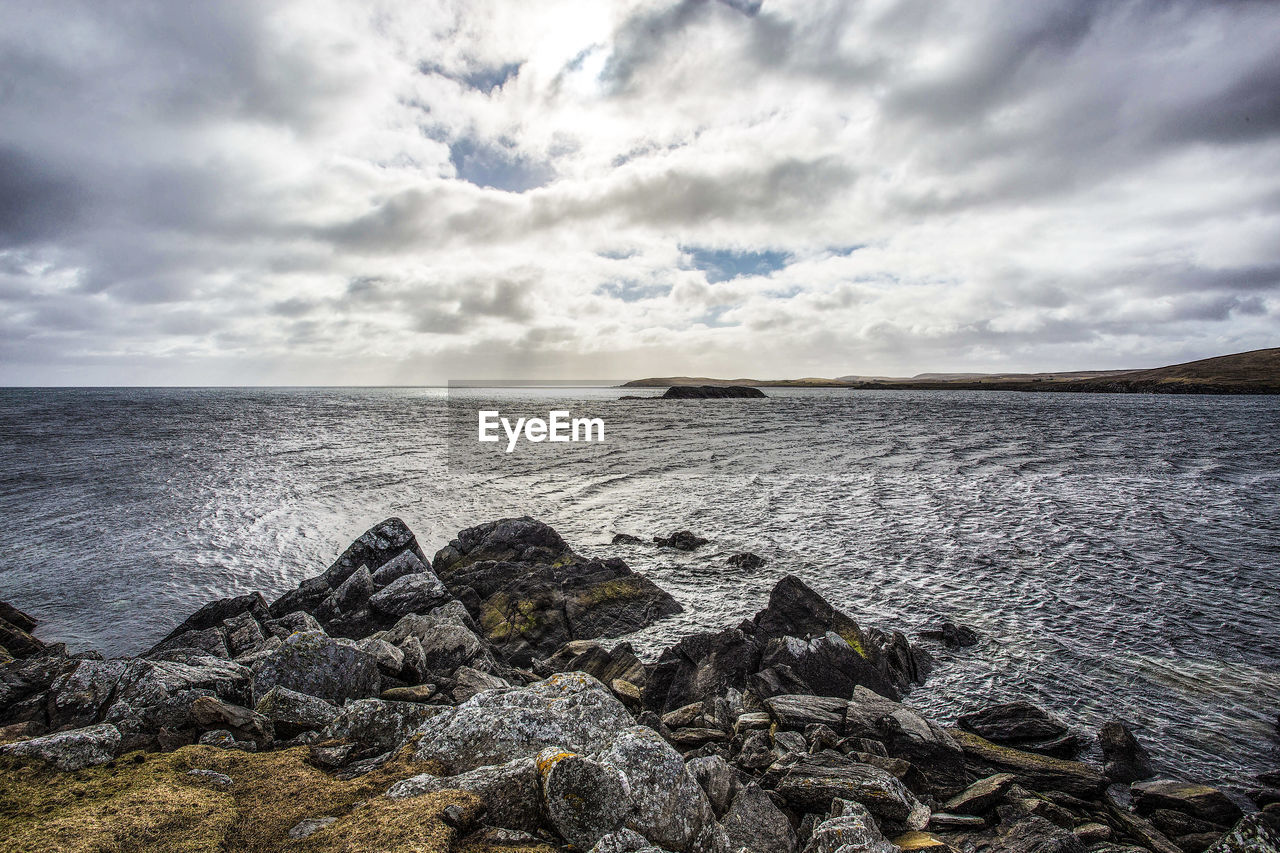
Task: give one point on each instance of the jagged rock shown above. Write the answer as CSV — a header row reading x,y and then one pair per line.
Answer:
x,y
243,633
585,799
1125,759
521,540
510,791
626,539
667,805
157,694
412,593
569,710
317,665
947,821
827,663
701,667
1175,823
310,826
789,741
1137,827
70,750
15,639
908,735
914,841
293,623
848,828
16,617
467,682
1024,726
625,841
530,609
415,693
980,797
78,698
212,641
1040,772
810,783
778,681
717,779
390,659
797,712
27,677
213,614
377,725
711,392
756,752
746,561
436,644
1092,833
213,777
1199,801
212,713
292,713
592,658
951,635
682,540
223,739
683,716
405,563
1036,835
753,822
1253,834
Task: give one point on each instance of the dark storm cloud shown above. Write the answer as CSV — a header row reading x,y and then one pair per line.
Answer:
x,y
37,203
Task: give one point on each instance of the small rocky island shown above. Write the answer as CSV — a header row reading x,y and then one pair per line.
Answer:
x,y
466,703
705,392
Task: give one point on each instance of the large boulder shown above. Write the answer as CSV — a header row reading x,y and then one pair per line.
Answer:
x,y
318,665
701,667
753,822
848,828
1124,758
519,540
592,658
1253,834
1024,726
15,633
570,710
908,735
1038,772
377,725
1200,801
585,799
414,593
213,614
292,713
154,695
510,791
810,783
77,698
70,750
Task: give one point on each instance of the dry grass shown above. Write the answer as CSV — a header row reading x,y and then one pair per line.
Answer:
x,y
147,802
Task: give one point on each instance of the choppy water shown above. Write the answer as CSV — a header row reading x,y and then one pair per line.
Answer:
x,y
1119,554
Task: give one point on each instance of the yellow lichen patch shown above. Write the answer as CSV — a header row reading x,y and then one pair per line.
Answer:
x,y
148,802
548,760
618,589
853,637
921,841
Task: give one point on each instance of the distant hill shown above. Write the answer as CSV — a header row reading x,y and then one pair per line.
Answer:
x,y
1255,372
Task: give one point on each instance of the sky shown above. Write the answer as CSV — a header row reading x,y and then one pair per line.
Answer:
x,y
411,192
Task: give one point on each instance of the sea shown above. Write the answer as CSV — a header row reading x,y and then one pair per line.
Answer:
x,y
1119,555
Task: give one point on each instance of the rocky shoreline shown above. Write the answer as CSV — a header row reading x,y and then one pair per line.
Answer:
x,y
467,702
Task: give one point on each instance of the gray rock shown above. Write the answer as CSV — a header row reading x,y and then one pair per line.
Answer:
x,y
223,739
317,665
1124,758
416,593
810,783
309,827
354,592
397,567
982,796
212,641
795,711
625,841
511,792
585,799
213,614
1252,834
390,659
243,633
213,777
377,725
212,713
908,735
668,807
78,698
292,623
754,823
1039,772
70,750
1200,801
570,710
849,828
468,682
1024,726
155,694
415,666
717,779
292,713
445,644
1034,834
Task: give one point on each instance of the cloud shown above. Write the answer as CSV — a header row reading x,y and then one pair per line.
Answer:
x,y
387,192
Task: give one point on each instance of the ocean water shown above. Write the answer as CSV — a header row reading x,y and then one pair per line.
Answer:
x,y
1119,554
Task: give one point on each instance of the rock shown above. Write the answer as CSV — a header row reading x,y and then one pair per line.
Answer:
x,y
27,677
848,828
909,842
1263,797
756,752
405,563
797,712
209,712
244,634
683,716
951,635
152,695
411,593
681,540
752,720
434,646
625,841
1036,835
212,641
982,796
220,780
592,658
908,735
317,665
291,713
70,750
778,681
717,780
1124,759
415,693
213,614
626,539
511,792
377,725
1137,827
753,822
1092,833
668,807
810,783
711,392
1022,725
746,561
292,623
309,827
947,820
1175,823
521,540
223,739
468,682
78,698
1040,772
16,617
390,659
828,664
701,667
585,799
1199,801
17,641
569,710
1251,835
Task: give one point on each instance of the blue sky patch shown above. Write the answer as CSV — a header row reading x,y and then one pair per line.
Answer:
x,y
497,166
726,264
